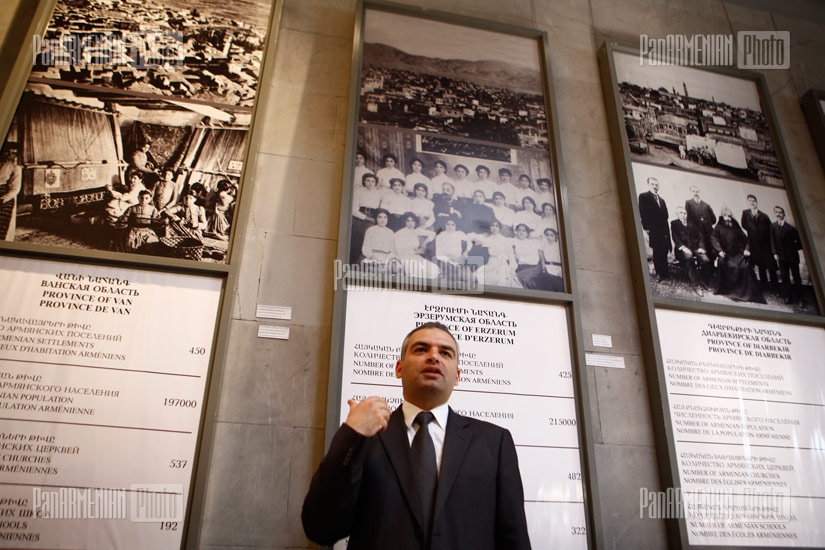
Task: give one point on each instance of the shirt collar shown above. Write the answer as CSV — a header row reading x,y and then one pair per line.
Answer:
x,y
440,412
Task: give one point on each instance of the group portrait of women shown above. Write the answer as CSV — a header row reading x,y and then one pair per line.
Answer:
x,y
471,220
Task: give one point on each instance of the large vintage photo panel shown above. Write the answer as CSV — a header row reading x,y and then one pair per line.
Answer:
x,y
695,120
135,174
453,180
190,49
725,238
131,133
714,207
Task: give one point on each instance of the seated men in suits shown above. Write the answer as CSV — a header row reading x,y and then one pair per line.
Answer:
x,y
421,477
689,249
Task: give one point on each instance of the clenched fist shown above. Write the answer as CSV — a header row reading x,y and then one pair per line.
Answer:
x,y
368,417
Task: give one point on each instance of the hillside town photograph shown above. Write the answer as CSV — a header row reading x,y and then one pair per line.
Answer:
x,y
194,49
490,89
696,120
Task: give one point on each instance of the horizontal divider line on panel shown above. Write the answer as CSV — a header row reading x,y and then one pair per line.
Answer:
x,y
101,368
750,399
753,445
705,493
549,447
556,501
97,425
514,393
94,488
456,390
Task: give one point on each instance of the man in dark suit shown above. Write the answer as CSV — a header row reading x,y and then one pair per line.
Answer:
x,y
700,214
477,216
786,245
758,226
370,487
689,249
653,212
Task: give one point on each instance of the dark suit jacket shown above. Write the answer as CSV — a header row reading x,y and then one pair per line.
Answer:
x,y
785,242
759,234
701,215
654,219
686,235
365,489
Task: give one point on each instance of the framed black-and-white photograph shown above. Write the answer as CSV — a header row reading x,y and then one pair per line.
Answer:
x,y
725,236
452,186
101,170
715,213
131,133
813,104
188,49
453,180
730,295
690,119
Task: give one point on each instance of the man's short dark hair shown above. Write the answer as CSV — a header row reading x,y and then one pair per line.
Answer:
x,y
429,324
777,207
751,196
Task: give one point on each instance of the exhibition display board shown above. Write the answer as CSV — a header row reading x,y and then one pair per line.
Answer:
x,y
453,211
126,131
103,375
748,414
515,371
730,295
158,98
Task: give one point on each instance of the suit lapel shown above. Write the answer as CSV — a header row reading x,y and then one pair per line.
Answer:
x,y
456,440
397,445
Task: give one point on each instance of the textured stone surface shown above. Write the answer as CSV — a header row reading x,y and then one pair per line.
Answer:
x,y
275,382
298,272
248,480
623,408
608,307
623,471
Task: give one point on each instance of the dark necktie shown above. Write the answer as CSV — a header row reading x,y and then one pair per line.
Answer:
x,y
426,471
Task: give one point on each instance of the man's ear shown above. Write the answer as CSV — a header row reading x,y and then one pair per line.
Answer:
x,y
398,369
